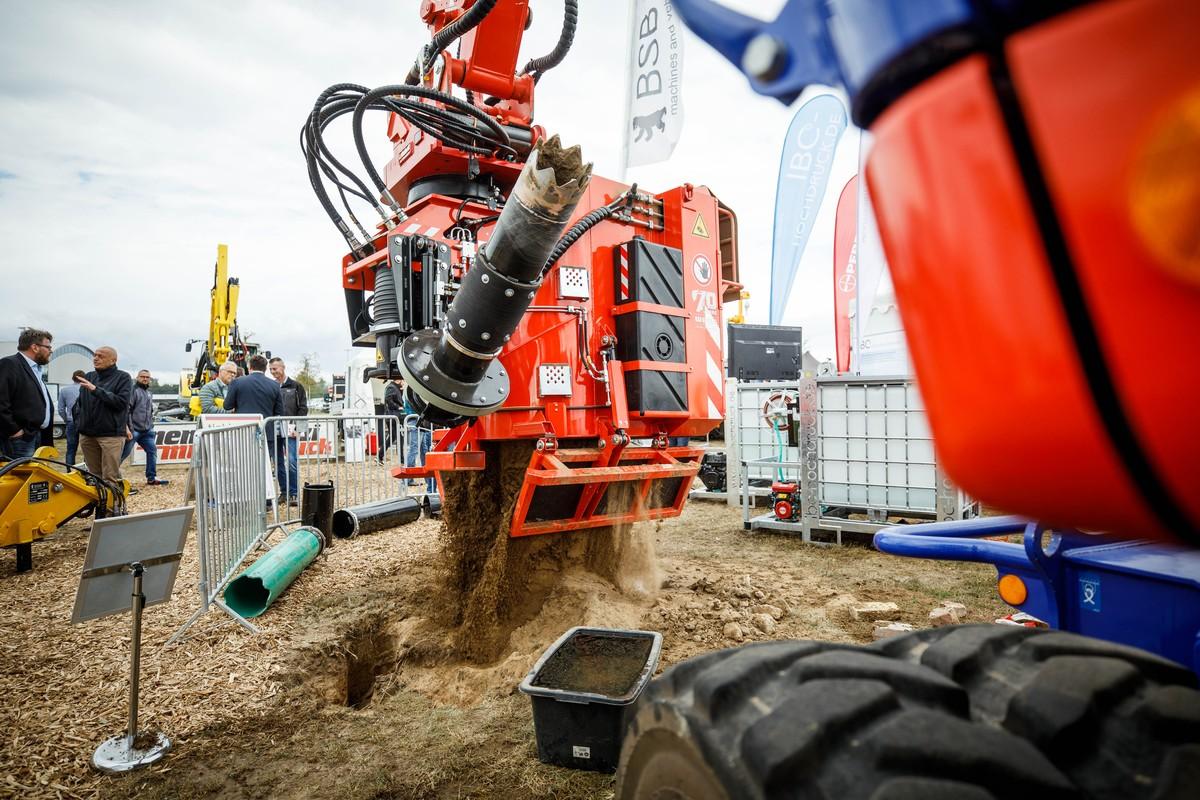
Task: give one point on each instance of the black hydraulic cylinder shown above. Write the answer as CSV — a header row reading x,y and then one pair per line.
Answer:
x,y
454,370
377,516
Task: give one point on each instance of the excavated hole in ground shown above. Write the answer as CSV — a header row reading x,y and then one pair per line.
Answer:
x,y
476,622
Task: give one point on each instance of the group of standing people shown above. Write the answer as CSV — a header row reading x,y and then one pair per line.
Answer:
x,y
275,396
106,412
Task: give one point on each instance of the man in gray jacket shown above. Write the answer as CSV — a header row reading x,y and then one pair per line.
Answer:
x,y
141,426
214,390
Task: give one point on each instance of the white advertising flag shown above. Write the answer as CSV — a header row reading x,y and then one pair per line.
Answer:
x,y
654,112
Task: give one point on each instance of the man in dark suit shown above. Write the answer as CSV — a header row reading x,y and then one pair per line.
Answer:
x,y
25,406
255,393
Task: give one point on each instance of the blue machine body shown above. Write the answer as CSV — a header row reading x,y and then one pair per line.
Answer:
x,y
857,43
1139,593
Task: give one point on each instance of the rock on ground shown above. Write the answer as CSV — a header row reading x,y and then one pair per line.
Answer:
x,y
870,612
889,629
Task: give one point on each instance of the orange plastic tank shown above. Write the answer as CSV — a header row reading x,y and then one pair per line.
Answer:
x,y
1040,210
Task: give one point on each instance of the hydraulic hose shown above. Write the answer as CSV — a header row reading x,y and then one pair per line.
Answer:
x,y
585,224
537,66
370,100
442,39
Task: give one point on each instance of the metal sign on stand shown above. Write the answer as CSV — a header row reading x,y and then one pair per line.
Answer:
x,y
131,563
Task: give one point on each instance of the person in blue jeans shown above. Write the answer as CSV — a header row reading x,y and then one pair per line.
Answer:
x,y
294,401
141,427
419,442
67,395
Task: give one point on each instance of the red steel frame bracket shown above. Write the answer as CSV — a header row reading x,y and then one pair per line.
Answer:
x,y
595,469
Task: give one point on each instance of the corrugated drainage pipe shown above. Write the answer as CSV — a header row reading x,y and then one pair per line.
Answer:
x,y
377,516
252,592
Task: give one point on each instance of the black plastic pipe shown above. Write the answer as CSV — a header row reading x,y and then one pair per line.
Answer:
x,y
377,516
432,505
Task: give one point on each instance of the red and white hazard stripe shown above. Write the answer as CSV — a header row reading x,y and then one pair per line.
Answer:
x,y
623,272
712,363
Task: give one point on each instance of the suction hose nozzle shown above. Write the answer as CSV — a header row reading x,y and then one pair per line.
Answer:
x,y
453,373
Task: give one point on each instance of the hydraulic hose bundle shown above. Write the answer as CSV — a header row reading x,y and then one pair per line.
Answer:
x,y
445,117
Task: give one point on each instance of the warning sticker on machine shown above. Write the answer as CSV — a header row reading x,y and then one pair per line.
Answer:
x,y
581,752
1089,592
700,229
39,491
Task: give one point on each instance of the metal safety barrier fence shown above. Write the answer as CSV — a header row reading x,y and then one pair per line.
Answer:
x,y
230,480
357,454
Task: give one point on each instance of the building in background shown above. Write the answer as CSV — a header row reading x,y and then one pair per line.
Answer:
x,y
65,359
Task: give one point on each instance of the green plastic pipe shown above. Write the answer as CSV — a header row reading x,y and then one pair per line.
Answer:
x,y
252,592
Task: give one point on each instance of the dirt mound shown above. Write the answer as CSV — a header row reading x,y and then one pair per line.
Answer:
x,y
472,627
501,584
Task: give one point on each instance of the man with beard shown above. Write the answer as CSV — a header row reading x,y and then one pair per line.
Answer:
x,y
25,406
102,413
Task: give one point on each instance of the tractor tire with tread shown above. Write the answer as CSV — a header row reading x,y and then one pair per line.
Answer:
x,y
972,711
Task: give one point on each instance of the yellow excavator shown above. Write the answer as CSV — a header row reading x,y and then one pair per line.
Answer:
x,y
41,493
224,341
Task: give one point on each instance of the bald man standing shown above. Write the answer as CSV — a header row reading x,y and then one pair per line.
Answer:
x,y
102,414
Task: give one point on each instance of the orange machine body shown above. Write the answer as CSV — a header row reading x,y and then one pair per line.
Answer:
x,y
566,486
1049,272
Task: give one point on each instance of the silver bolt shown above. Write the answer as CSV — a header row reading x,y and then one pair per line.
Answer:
x,y
531,295
485,336
425,377
501,373
443,248
485,279
509,292
501,390
453,395
541,445
483,399
765,57
399,258
462,323
616,440
507,337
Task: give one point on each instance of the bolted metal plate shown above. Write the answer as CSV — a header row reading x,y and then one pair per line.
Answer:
x,y
470,400
554,380
574,283
117,754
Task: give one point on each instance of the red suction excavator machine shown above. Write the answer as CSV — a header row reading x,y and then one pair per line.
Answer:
x,y
521,297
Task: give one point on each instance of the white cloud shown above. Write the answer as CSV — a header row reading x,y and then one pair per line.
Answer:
x,y
135,136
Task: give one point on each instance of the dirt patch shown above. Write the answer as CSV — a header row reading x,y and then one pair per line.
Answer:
x,y
352,689
607,665
502,601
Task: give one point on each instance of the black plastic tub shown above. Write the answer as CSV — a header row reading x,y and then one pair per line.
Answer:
x,y
583,689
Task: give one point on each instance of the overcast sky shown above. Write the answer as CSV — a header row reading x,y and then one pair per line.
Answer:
x,y
135,136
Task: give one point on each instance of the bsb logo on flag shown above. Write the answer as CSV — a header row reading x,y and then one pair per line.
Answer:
x,y
654,113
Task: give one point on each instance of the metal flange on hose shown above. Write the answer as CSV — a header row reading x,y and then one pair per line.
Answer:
x,y
452,373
